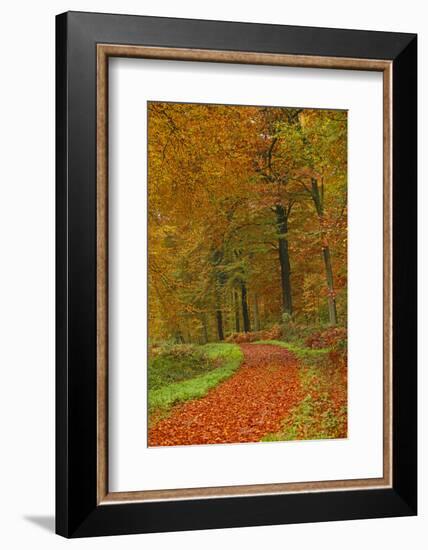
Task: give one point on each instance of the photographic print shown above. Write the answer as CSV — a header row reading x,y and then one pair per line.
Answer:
x,y
235,274
247,274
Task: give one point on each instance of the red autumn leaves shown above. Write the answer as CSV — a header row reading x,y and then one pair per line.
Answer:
x,y
244,408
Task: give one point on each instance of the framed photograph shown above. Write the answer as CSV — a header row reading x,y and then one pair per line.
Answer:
x,y
236,274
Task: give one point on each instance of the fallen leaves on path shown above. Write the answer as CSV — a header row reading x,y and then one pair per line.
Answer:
x,y
253,402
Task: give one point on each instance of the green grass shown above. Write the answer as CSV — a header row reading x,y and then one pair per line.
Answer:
x,y
175,363
313,418
226,359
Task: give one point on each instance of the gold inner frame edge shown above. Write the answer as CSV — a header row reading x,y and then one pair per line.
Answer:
x,y
104,51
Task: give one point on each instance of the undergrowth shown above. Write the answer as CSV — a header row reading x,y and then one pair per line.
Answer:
x,y
322,409
205,367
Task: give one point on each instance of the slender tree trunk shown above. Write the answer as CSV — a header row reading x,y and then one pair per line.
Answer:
x,y
219,319
318,201
204,328
245,314
256,313
284,259
230,313
219,280
236,307
332,311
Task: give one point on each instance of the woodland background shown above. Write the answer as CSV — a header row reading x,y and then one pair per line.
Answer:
x,y
247,220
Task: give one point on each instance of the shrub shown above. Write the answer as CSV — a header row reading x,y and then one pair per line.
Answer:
x,y
294,332
176,362
273,333
331,337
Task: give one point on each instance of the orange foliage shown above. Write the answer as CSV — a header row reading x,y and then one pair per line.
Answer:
x,y
326,338
216,174
246,407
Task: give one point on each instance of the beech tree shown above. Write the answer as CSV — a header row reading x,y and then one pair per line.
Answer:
x,y
246,218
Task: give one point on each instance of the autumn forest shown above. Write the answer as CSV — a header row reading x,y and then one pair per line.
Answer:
x,y
247,273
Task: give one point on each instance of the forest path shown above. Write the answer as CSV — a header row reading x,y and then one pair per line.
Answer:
x,y
244,408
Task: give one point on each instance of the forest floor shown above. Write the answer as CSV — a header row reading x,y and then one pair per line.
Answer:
x,y
279,392
274,395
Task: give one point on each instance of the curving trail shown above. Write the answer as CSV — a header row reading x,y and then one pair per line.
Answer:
x,y
251,403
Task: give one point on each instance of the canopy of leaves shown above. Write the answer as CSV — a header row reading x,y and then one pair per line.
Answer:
x,y
216,174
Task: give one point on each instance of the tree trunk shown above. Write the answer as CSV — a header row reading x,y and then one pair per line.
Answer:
x,y
245,314
179,337
256,313
236,307
332,311
219,319
318,202
219,280
284,259
204,328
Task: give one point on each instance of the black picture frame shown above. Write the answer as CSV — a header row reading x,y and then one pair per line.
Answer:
x,y
77,511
